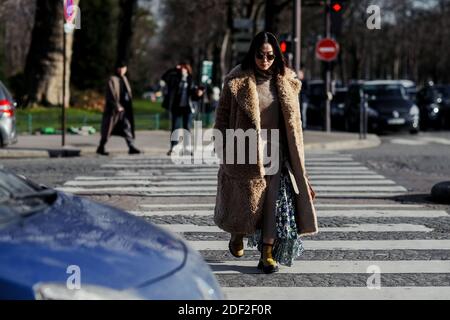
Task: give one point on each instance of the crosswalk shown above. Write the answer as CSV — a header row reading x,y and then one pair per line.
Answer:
x,y
420,141
369,245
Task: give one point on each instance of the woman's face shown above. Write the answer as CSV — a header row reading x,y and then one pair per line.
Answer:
x,y
264,57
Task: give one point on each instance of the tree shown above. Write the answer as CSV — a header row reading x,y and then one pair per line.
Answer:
x,y
95,45
44,65
128,9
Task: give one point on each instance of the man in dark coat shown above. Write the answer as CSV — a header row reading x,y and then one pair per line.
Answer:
x,y
118,116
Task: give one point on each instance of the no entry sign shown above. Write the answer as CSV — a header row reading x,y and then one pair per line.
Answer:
x,y
327,49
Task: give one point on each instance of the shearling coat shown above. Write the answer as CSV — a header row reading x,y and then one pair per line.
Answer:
x,y
242,187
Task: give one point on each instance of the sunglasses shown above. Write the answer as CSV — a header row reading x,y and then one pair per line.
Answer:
x,y
260,56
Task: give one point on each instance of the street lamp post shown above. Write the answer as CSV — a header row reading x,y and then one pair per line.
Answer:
x,y
327,69
298,34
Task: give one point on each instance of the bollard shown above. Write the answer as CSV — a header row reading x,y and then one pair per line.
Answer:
x,y
30,124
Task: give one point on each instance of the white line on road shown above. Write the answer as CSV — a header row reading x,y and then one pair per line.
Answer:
x,y
345,245
320,213
343,189
304,267
213,176
337,293
189,206
401,227
211,182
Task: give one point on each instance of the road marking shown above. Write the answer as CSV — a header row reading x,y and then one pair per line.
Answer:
x,y
320,213
344,245
187,183
133,176
408,142
381,206
181,228
181,189
351,168
436,140
342,267
337,293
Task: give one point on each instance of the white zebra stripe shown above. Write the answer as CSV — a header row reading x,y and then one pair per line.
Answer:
x,y
181,228
337,293
343,189
320,213
339,266
195,182
345,245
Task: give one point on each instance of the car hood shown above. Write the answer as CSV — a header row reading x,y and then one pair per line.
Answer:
x,y
111,247
389,105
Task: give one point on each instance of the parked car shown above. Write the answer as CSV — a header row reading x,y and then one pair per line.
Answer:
x,y
411,89
434,103
316,97
338,108
389,106
8,133
49,238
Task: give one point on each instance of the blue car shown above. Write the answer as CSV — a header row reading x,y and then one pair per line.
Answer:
x,y
56,246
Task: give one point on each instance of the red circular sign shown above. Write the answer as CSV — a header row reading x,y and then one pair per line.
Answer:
x,y
327,49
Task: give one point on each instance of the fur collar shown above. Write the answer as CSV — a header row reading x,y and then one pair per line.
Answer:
x,y
242,84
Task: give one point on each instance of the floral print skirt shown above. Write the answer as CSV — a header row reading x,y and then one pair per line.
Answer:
x,y
288,244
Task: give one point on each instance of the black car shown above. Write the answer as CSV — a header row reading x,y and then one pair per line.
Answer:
x,y
338,108
316,97
389,107
434,103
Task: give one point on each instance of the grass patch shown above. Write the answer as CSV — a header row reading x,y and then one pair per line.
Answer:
x,y
148,116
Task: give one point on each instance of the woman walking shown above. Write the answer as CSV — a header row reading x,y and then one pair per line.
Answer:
x,y
272,209
179,99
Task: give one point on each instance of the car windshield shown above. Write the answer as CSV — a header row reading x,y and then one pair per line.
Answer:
x,y
20,198
385,92
340,96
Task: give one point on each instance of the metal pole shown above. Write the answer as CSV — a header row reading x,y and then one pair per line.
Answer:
x,y
361,116
328,69
298,34
63,118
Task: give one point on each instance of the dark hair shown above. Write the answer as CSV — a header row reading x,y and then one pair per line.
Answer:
x,y
278,66
186,66
120,64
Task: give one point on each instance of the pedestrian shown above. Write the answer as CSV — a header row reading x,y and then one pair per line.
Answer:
x,y
181,93
303,96
118,118
272,210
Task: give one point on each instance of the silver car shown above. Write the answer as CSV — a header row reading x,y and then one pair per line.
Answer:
x,y
8,133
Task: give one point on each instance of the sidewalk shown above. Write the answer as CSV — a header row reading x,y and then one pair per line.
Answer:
x,y
157,143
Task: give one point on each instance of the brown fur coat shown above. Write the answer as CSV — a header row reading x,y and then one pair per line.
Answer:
x,y
242,187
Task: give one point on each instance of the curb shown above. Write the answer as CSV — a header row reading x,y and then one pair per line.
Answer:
x,y
371,142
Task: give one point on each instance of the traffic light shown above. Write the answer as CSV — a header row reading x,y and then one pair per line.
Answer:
x,y
284,46
336,10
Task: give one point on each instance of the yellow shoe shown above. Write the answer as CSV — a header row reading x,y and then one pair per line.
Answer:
x,y
236,245
266,263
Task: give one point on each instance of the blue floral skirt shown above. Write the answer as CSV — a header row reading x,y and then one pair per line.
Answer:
x,y
288,244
